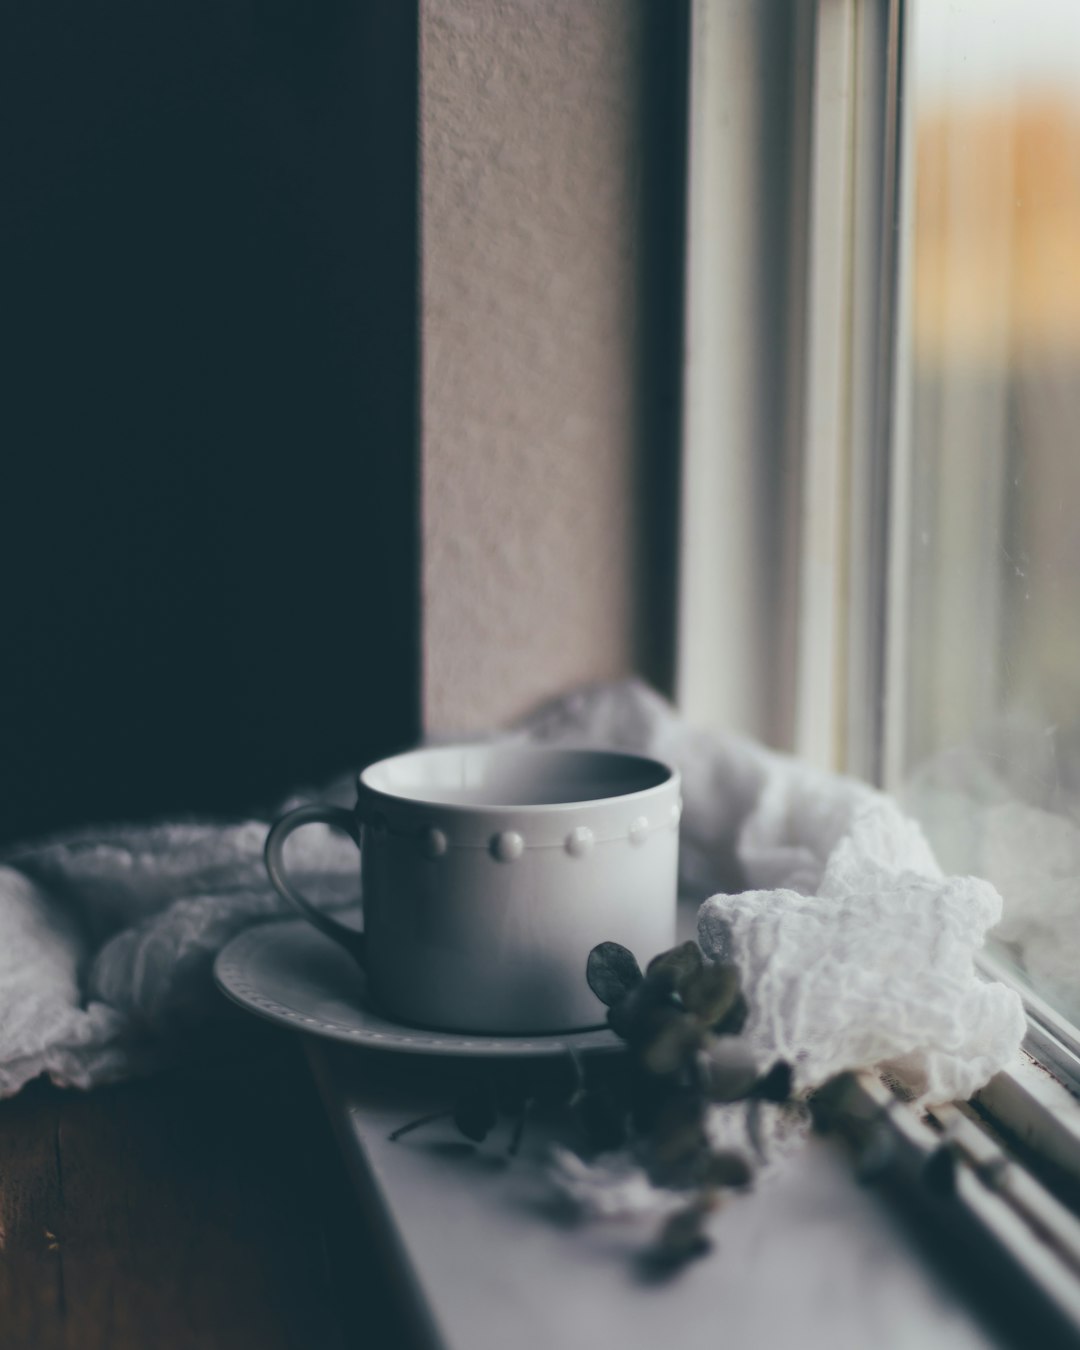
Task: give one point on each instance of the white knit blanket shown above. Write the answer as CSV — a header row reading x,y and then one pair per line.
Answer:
x,y
855,949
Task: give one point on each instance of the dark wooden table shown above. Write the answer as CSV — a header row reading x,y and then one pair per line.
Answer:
x,y
202,1208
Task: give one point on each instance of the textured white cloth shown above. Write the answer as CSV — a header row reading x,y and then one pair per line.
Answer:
x,y
855,950
107,939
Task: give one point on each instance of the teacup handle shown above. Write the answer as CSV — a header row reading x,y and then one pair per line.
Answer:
x,y
315,814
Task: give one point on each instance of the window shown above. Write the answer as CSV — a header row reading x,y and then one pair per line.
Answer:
x,y
882,496
987,737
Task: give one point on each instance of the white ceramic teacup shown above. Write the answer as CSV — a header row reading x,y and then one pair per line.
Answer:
x,y
490,872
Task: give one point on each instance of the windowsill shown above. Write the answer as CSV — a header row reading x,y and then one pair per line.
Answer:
x,y
809,1257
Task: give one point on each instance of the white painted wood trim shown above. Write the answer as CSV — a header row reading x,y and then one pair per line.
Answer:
x,y
719,657
895,598
733,515
826,394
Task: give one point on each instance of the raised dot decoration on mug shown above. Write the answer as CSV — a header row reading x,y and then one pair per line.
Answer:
x,y
579,842
639,830
434,843
507,846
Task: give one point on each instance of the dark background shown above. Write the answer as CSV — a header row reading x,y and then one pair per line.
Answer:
x,y
208,540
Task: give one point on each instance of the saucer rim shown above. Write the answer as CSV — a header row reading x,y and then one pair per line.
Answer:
x,y
233,977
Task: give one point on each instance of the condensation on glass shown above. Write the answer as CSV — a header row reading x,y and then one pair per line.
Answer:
x,y
991,726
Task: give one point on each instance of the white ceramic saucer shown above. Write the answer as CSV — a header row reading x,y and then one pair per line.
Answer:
x,y
291,974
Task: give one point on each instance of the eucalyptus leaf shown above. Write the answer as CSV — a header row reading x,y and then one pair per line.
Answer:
x,y
673,1040
612,972
776,1084
679,963
733,1021
637,1017
711,992
678,1141
640,1018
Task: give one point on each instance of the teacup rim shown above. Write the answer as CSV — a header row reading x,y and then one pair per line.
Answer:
x,y
672,777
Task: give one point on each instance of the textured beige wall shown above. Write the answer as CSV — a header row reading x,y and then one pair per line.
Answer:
x,y
530,114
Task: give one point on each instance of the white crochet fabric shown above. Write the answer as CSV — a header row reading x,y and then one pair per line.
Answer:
x,y
872,965
853,947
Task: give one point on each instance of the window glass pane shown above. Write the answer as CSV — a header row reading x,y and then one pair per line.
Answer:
x,y
992,690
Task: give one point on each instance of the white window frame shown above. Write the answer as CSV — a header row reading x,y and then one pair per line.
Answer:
x,y
789,568
792,586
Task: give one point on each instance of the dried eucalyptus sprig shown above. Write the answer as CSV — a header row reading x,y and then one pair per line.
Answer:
x,y
681,1021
